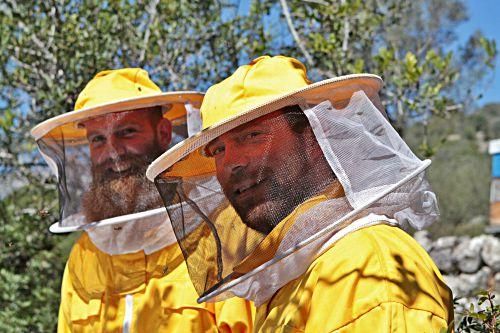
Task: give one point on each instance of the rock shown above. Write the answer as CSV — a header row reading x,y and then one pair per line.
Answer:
x,y
423,238
467,254
445,242
455,284
464,285
442,253
491,252
497,282
477,281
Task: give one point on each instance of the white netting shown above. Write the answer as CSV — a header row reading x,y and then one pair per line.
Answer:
x,y
367,155
149,234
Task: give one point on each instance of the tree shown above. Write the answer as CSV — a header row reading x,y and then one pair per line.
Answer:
x,y
406,42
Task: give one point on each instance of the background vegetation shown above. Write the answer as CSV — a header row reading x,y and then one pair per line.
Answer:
x,y
50,49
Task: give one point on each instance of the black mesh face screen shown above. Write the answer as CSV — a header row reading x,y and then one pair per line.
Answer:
x,y
201,222
72,163
265,192
100,164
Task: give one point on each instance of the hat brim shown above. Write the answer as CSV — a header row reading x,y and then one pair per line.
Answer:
x,y
72,118
337,90
57,228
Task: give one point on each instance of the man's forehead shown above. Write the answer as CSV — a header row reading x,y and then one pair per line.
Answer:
x,y
115,119
268,120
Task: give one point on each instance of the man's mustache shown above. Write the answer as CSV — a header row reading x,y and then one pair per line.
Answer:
x,y
244,176
122,166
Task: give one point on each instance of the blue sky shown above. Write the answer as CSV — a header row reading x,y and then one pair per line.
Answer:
x,y
484,15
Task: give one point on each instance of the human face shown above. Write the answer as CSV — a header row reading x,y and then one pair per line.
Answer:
x,y
121,146
263,169
114,139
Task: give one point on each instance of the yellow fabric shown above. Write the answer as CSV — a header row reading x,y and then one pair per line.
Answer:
x,y
263,80
193,165
114,86
377,279
199,244
95,286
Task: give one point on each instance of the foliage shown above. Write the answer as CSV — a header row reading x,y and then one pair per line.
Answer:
x,y
406,42
31,263
50,49
484,318
460,170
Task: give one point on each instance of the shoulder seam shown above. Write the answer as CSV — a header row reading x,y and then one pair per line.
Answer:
x,y
380,304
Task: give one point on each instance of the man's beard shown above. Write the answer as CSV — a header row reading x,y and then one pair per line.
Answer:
x,y
114,194
277,198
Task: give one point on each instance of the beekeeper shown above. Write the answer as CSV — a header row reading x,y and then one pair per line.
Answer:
x,y
126,272
322,187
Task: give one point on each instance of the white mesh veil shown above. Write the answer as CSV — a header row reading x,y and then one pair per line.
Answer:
x,y
380,159
371,177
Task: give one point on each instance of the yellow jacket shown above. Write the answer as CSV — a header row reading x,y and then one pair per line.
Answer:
x,y
377,279
144,293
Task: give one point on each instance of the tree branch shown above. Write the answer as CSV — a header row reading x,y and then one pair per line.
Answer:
x,y
294,33
152,11
36,41
41,73
345,42
454,107
319,2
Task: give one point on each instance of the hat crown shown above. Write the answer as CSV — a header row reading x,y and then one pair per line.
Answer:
x,y
262,80
116,85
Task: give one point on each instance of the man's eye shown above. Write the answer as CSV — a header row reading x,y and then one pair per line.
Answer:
x,y
216,150
97,139
126,132
252,135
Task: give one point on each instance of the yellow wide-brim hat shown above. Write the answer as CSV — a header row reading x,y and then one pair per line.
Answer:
x,y
115,91
264,85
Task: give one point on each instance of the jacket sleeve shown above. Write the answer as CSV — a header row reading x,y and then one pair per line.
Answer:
x,y
64,321
234,315
395,318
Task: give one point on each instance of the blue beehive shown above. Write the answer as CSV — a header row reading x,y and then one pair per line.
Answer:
x,y
495,166
494,150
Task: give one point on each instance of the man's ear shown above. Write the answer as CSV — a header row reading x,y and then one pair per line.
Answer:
x,y
164,133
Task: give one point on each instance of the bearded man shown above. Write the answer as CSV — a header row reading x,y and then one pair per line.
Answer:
x,y
122,145
125,273
326,185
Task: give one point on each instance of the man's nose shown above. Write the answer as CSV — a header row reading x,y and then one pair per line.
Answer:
x,y
113,149
235,159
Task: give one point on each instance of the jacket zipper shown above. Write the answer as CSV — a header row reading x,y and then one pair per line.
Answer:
x,y
129,310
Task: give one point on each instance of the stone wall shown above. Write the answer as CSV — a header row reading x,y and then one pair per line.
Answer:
x,y
467,264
